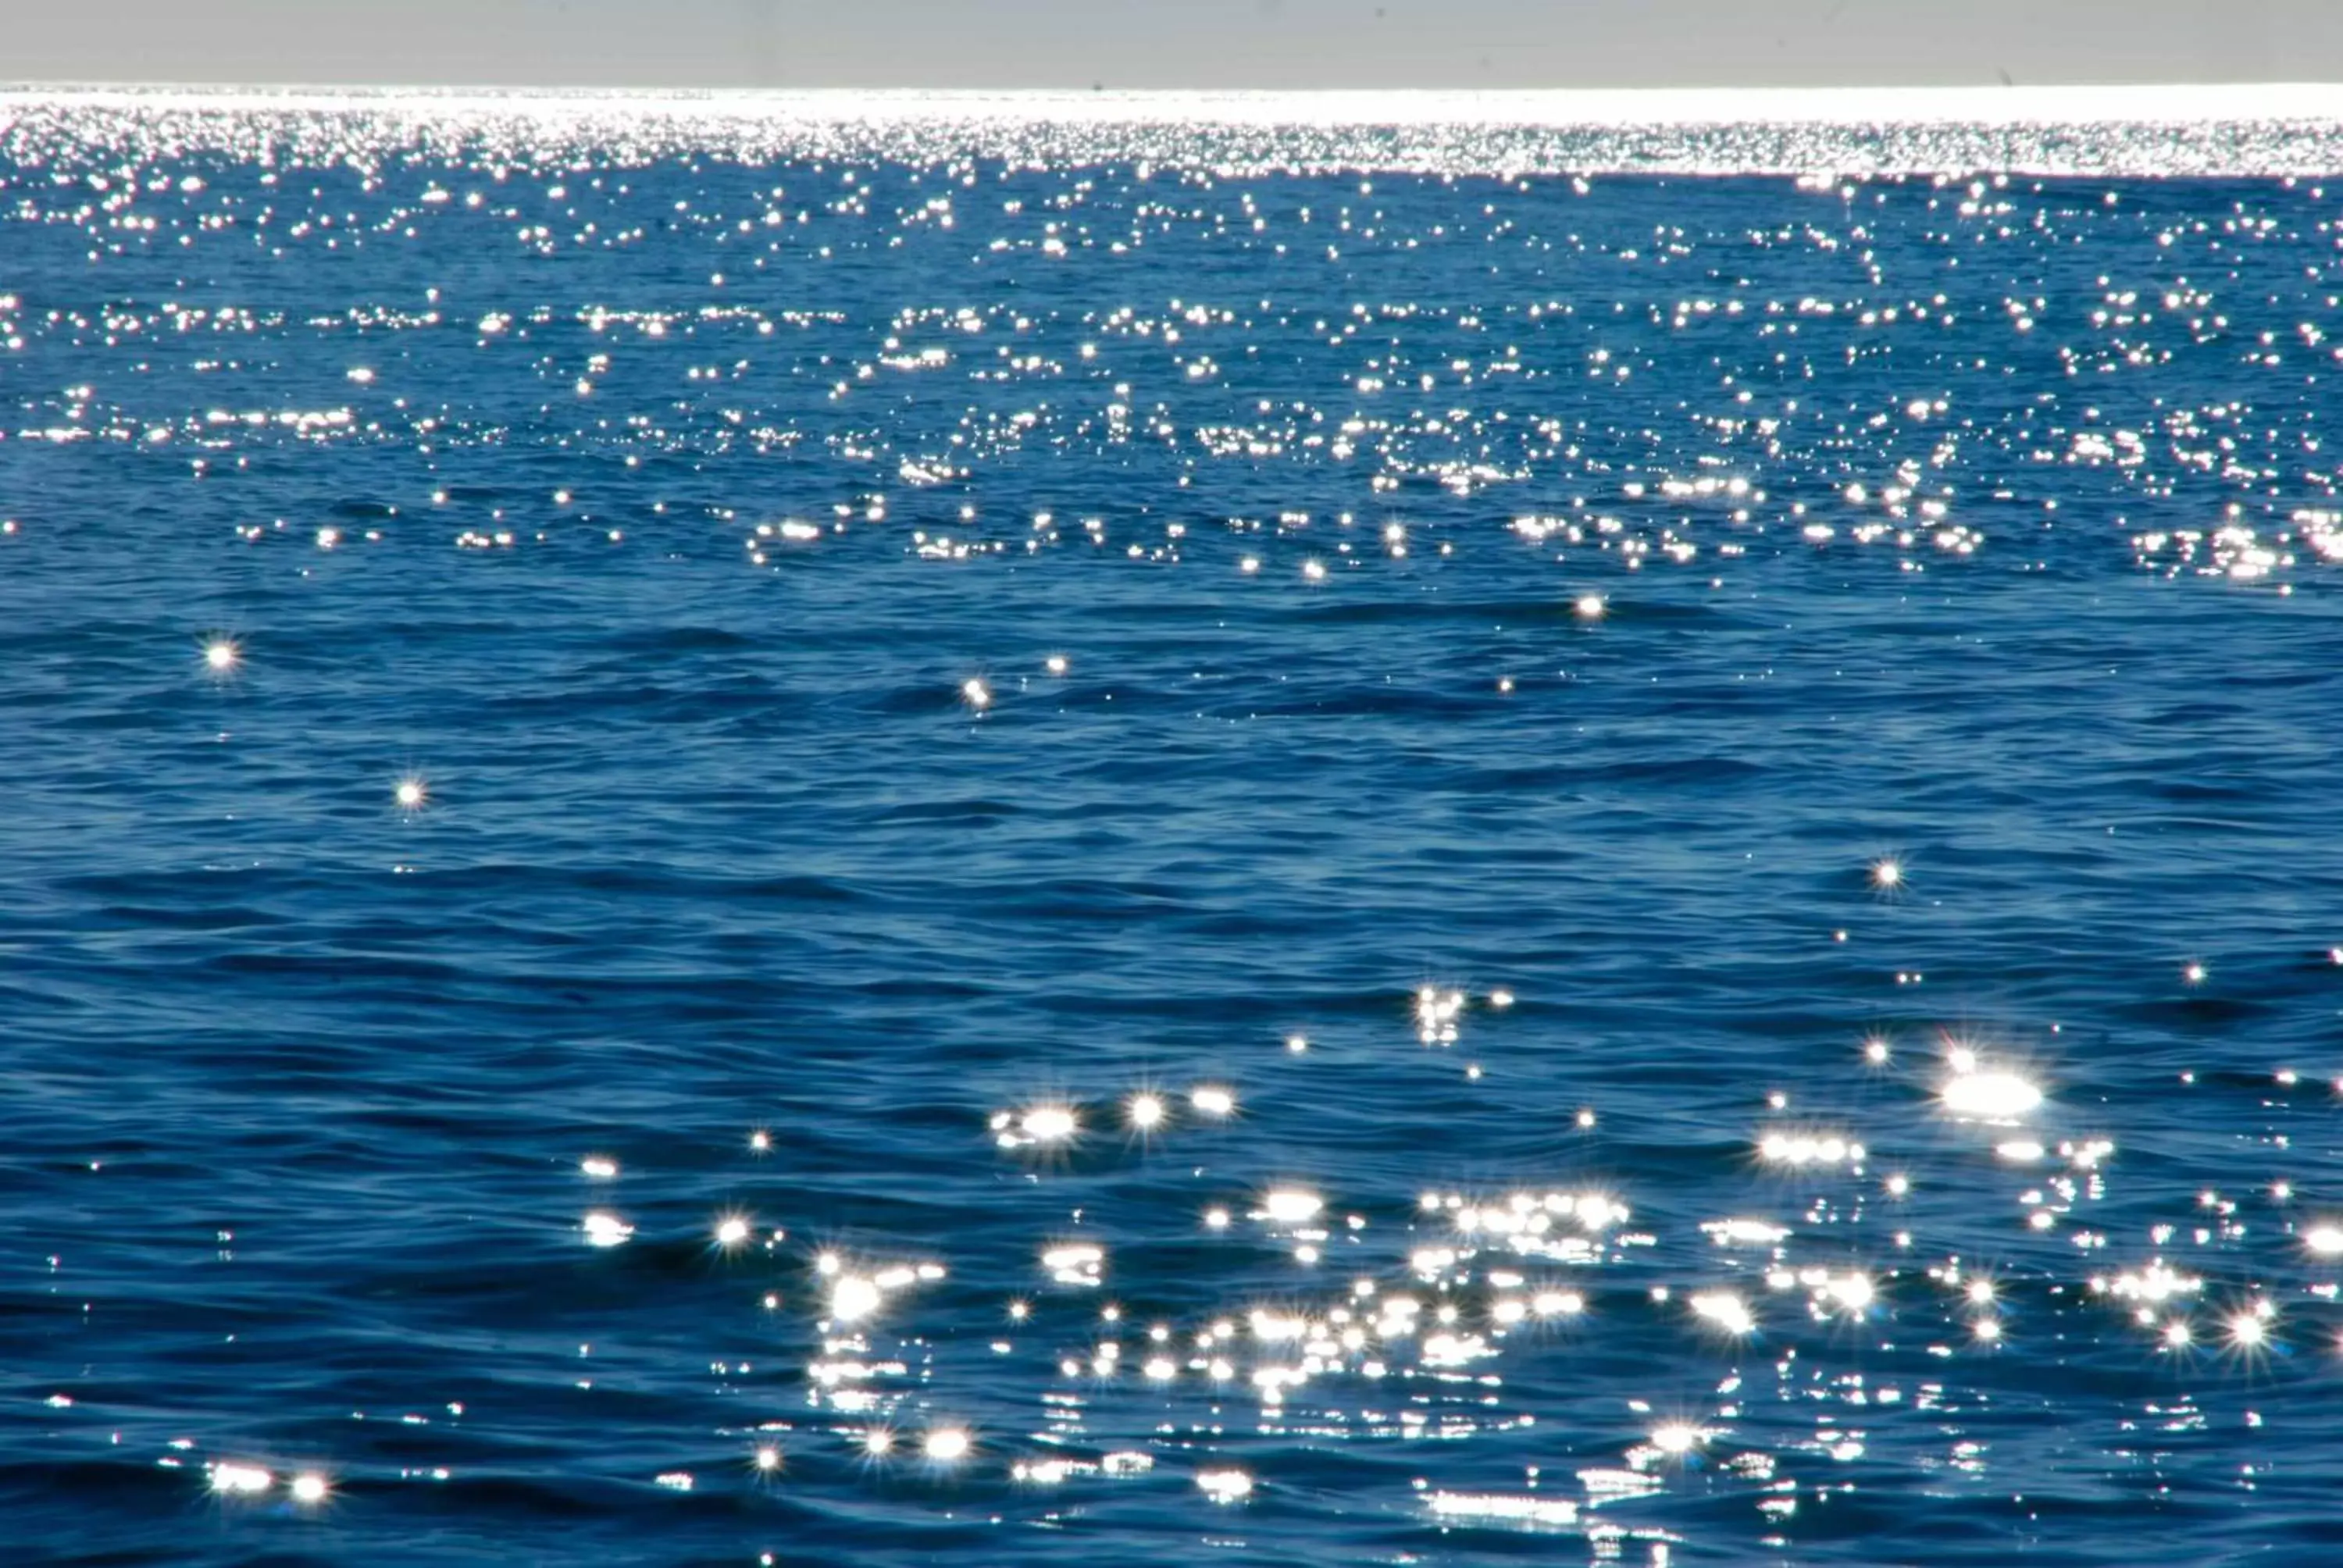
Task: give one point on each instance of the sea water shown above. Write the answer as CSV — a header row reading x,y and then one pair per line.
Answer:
x,y
1066,831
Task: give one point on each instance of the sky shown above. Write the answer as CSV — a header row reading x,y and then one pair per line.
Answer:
x,y
1175,43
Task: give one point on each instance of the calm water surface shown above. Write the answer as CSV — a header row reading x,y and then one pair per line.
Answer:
x,y
735,843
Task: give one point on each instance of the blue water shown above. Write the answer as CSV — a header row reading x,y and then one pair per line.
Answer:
x,y
579,986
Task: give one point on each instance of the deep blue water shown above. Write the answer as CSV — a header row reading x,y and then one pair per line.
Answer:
x,y
1590,709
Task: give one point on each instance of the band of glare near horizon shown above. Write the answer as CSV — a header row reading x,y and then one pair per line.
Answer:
x,y
2170,104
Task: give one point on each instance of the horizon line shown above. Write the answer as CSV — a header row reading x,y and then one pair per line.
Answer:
x,y
2031,103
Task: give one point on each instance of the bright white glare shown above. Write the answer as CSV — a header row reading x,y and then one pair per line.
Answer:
x,y
607,1230
1989,1096
309,1487
1726,1311
1677,1437
1853,1291
1050,1124
1225,1485
1807,1149
1291,1206
1074,1262
1504,1505
853,1298
946,1444
1213,1101
241,1480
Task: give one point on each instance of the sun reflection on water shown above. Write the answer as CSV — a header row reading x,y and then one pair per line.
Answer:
x,y
1466,1288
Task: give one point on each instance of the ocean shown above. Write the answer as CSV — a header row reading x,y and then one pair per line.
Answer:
x,y
1067,830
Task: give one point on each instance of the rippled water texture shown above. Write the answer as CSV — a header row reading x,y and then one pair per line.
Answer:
x,y
742,840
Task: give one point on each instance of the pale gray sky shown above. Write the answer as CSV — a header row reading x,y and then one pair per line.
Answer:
x,y
1267,44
